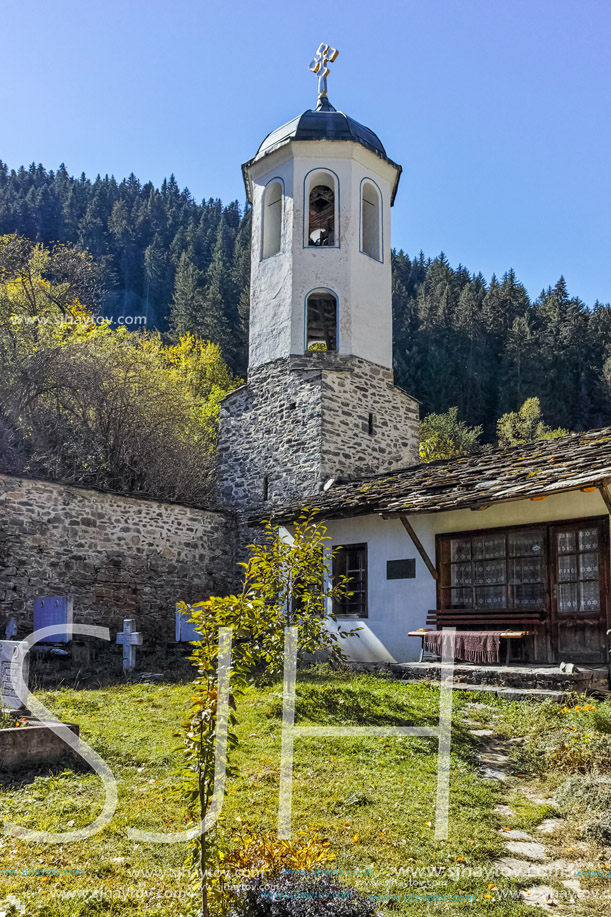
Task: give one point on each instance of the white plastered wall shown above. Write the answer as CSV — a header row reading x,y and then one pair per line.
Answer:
x,y
398,606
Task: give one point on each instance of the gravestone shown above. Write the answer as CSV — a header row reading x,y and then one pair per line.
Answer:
x,y
54,611
185,630
9,659
130,639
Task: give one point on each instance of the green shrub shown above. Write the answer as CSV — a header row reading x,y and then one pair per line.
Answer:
x,y
597,830
6,720
602,718
587,793
301,895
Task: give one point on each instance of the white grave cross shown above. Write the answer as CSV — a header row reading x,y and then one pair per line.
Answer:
x,y
130,640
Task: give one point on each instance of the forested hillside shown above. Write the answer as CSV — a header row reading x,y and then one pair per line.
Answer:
x,y
486,347
459,339
157,245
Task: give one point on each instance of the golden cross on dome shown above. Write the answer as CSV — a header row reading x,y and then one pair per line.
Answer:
x,y
324,56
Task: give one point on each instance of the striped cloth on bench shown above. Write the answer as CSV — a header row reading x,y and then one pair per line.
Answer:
x,y
471,645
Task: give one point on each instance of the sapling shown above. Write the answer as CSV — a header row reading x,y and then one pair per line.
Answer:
x,y
287,581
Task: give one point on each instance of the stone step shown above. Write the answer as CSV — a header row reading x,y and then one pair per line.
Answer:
x,y
513,676
507,693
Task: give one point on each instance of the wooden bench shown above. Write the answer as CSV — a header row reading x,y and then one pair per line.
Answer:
x,y
516,623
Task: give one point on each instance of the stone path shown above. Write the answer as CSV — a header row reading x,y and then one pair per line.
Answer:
x,y
526,855
493,754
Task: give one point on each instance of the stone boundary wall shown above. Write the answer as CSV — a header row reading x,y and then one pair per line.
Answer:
x,y
118,556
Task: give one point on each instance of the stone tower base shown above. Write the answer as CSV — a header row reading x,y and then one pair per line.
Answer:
x,y
302,420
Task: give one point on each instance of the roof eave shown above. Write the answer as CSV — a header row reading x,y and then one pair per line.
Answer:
x,y
246,166
288,513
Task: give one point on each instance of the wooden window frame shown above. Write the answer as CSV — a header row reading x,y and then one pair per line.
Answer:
x,y
339,605
444,538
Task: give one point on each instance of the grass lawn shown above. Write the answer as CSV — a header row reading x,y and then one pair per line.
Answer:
x,y
373,799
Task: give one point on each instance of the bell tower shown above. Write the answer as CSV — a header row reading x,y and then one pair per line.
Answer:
x,y
320,402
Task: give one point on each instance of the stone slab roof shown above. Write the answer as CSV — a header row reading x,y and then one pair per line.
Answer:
x,y
535,469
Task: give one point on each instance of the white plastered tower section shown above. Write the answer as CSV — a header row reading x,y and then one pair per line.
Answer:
x,y
280,283
320,402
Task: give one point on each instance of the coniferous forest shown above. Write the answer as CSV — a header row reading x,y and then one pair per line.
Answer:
x,y
459,339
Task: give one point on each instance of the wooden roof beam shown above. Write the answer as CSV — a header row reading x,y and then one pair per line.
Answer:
x,y
605,495
419,547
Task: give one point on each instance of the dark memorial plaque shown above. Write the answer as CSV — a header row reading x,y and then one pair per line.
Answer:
x,y
401,569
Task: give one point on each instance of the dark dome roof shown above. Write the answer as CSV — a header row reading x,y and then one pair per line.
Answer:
x,y
324,124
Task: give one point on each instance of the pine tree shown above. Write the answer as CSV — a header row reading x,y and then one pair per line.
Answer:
x,y
519,365
471,352
187,311
241,286
564,356
220,295
159,274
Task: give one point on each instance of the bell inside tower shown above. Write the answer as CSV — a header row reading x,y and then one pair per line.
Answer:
x,y
322,216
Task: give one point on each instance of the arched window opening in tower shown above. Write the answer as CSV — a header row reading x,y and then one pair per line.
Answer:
x,y
370,220
322,214
272,219
321,321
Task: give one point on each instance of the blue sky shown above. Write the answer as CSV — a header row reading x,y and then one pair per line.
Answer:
x,y
498,110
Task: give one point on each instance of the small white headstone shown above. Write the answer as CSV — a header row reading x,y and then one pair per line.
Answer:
x,y
9,663
130,640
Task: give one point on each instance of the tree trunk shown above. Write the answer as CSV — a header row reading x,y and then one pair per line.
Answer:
x,y
202,865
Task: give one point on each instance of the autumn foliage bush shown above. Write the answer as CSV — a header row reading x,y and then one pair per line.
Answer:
x,y
565,740
87,403
266,853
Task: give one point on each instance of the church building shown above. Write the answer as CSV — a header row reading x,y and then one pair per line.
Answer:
x,y
513,542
